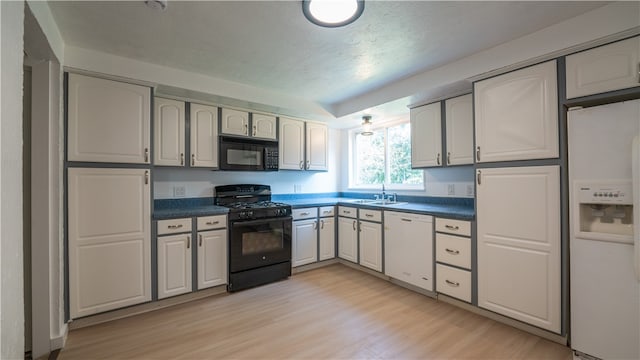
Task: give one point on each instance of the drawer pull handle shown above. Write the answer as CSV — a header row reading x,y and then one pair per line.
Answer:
x,y
188,242
212,222
354,225
448,157
424,278
368,215
346,211
193,159
453,252
438,159
200,237
304,214
315,225
146,155
478,153
181,159
452,283
174,226
326,212
452,227
321,224
405,219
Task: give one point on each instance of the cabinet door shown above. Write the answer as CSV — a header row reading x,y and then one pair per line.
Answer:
x,y
291,144
234,122
263,126
327,238
169,132
348,239
108,121
109,239
426,136
605,68
174,265
408,248
459,129
317,147
371,245
304,237
518,223
204,136
516,115
212,258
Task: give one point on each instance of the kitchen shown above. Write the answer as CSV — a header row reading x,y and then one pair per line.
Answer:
x,y
196,183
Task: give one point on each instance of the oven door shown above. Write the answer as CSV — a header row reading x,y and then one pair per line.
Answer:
x,y
257,243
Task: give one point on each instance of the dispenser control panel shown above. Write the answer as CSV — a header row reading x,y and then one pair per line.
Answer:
x,y
606,193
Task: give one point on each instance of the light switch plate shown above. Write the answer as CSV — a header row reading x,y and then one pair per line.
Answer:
x,y
451,189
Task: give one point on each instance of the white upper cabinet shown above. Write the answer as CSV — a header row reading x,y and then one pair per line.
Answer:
x,y
234,122
426,136
459,129
516,115
291,144
108,121
204,136
605,68
168,131
263,126
317,146
518,235
109,239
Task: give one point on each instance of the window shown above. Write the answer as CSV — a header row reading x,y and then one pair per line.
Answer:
x,y
384,158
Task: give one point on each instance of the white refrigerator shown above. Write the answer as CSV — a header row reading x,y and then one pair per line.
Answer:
x,y
604,222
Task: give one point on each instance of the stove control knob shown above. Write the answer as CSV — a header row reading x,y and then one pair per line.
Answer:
x,y
243,214
250,213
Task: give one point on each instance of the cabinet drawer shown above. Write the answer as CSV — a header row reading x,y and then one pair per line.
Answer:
x,y
453,250
453,282
327,211
212,222
347,211
174,226
306,213
456,227
370,215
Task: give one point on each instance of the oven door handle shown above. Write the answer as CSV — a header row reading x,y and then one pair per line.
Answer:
x,y
260,221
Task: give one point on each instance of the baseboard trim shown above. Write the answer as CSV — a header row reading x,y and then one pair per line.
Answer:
x,y
562,340
59,341
313,266
146,307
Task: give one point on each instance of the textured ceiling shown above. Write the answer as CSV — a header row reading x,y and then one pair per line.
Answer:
x,y
270,44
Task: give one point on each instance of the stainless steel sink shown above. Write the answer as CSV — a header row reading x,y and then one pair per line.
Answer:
x,y
362,201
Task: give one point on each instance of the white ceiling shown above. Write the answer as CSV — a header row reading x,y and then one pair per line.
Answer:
x,y
271,45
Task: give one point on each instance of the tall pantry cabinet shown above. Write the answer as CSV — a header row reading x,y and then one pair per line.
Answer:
x,y
108,205
518,207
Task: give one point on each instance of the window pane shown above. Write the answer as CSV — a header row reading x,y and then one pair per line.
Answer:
x,y
399,142
370,158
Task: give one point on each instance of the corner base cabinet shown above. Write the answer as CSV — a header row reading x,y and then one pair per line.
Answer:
x,y
518,232
408,248
109,245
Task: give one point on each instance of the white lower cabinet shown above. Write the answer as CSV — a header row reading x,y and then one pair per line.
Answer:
x,y
109,239
304,236
348,237
327,233
174,265
304,242
408,248
212,258
518,231
453,282
370,240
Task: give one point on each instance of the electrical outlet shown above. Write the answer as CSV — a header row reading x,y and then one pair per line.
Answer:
x,y
179,191
469,190
451,189
297,188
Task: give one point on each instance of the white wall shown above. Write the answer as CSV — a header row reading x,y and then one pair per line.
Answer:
x,y
11,270
200,182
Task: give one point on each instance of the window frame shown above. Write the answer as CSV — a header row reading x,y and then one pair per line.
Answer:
x,y
353,162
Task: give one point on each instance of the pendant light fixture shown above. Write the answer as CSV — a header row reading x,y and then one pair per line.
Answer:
x,y
332,13
366,126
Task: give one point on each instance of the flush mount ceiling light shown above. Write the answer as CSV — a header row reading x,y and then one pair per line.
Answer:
x,y
332,13
156,4
366,126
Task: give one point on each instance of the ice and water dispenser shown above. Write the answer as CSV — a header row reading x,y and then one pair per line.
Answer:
x,y
605,211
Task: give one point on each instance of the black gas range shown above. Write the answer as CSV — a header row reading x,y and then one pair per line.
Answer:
x,y
259,235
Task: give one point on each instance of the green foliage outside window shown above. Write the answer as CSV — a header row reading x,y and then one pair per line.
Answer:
x,y
385,157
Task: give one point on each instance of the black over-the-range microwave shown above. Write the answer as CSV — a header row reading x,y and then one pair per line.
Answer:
x,y
245,154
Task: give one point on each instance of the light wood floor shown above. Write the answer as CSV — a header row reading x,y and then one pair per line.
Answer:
x,y
331,312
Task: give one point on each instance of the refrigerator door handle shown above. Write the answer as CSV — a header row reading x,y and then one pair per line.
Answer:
x,y
635,165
